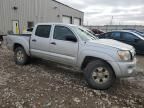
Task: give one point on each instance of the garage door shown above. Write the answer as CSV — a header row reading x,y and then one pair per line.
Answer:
x,y
66,20
77,21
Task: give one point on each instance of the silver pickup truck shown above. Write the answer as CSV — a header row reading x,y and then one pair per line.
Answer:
x,y
101,60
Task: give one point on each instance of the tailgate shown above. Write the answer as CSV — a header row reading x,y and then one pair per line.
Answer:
x,y
7,42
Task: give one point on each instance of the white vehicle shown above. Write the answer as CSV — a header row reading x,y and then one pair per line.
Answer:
x,y
101,60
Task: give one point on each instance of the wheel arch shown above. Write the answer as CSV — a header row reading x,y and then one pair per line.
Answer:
x,y
20,45
88,59
16,45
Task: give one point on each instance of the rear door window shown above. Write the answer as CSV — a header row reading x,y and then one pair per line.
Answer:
x,y
43,31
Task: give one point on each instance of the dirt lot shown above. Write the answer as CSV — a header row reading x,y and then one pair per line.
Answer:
x,y
44,84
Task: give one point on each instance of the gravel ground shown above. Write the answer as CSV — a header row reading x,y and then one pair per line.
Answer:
x,y
44,84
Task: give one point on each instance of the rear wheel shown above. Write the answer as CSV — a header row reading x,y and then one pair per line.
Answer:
x,y
20,56
99,75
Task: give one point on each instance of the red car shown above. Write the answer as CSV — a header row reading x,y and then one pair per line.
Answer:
x,y
96,31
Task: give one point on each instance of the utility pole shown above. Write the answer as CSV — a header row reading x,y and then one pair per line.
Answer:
x,y
119,23
87,23
111,22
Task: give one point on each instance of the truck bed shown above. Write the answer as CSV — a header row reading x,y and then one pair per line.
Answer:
x,y
22,39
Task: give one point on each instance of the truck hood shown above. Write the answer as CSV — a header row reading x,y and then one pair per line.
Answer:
x,y
111,43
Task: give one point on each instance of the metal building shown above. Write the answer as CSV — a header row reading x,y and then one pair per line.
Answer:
x,y
17,15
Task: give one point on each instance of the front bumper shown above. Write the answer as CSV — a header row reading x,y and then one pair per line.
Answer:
x,y
124,69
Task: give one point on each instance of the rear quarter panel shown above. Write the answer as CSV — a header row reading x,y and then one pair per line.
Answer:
x,y
11,40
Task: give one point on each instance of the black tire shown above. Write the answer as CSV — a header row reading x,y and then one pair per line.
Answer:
x,y
93,81
25,58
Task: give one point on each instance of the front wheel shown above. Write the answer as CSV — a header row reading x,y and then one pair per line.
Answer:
x,y
20,56
99,75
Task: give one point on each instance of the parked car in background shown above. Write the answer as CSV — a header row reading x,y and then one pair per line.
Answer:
x,y
128,37
101,60
140,33
97,32
136,31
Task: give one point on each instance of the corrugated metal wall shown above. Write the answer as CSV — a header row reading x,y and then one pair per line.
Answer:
x,y
33,10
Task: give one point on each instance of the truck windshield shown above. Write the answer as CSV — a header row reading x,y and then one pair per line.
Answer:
x,y
84,34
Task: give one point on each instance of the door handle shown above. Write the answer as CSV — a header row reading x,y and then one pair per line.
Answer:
x,y
53,43
34,40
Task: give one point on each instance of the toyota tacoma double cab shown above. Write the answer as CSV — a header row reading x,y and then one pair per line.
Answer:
x,y
102,61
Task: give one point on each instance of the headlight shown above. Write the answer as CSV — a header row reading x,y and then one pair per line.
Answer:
x,y
124,55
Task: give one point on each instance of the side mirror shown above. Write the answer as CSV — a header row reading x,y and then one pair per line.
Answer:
x,y
71,38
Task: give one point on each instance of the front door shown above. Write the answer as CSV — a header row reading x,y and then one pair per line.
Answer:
x,y
15,26
131,39
63,51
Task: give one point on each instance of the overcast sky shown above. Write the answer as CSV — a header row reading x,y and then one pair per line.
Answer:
x,y
100,12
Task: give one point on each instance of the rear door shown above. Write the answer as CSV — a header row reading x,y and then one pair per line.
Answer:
x,y
62,50
39,43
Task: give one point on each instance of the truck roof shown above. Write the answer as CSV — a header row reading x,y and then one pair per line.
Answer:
x,y
56,24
